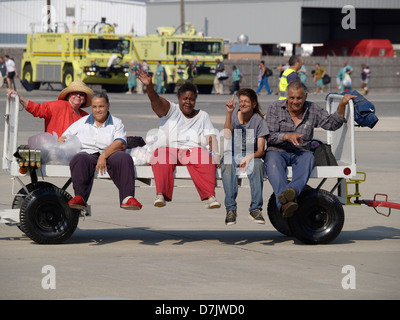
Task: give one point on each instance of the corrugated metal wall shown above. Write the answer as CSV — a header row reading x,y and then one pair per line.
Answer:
x,y
16,16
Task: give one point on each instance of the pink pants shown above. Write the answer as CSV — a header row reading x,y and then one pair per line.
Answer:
x,y
199,163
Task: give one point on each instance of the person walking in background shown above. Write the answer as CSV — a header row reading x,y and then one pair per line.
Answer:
x,y
346,82
11,72
188,71
289,75
365,75
145,67
264,78
318,78
341,75
3,72
159,77
303,74
218,85
236,78
132,77
280,69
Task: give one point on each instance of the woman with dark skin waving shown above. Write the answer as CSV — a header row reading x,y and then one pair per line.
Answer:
x,y
187,132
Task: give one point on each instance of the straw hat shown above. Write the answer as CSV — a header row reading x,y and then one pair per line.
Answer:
x,y
77,86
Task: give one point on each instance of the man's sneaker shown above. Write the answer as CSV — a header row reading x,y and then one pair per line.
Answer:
x,y
288,195
230,218
77,202
256,216
212,203
131,204
159,201
288,209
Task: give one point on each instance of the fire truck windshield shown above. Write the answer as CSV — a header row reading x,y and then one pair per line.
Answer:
x,y
109,45
201,47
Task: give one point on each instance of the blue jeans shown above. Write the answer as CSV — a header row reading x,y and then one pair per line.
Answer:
x,y
264,83
276,162
255,174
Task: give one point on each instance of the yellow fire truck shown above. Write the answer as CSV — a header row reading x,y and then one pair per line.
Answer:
x,y
172,50
96,57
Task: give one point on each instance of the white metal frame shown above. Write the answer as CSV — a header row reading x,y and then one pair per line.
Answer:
x,y
342,142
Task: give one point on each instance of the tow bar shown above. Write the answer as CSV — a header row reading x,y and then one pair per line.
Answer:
x,y
380,203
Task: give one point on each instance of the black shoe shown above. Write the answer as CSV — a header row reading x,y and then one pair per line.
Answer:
x,y
230,218
289,208
256,216
289,194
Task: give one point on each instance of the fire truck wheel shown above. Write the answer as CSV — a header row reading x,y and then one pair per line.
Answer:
x,y
27,74
68,76
205,89
170,88
319,218
46,217
276,219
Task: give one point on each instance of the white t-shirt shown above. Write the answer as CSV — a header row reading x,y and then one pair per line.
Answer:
x,y
96,139
182,132
10,65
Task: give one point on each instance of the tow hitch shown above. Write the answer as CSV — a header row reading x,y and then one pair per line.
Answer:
x,y
380,204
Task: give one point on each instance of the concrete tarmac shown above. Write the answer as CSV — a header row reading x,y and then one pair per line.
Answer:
x,y
184,251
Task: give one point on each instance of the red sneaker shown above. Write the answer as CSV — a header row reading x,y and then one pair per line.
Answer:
x,y
77,202
132,204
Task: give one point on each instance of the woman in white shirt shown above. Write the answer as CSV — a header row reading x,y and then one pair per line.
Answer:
x,y
187,132
103,139
11,72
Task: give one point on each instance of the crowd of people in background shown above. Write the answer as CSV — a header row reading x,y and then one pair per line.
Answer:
x,y
320,77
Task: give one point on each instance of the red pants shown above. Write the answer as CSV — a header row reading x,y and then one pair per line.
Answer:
x,y
199,163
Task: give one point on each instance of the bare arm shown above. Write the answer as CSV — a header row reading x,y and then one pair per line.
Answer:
x,y
342,104
159,105
23,101
230,107
101,166
212,141
244,163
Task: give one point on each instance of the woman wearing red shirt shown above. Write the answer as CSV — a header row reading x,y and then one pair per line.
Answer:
x,y
60,114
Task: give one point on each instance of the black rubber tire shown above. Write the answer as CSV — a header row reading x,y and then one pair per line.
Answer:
x,y
170,88
205,88
45,216
276,219
19,199
27,74
319,218
68,76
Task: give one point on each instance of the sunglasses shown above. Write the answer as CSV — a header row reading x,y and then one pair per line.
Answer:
x,y
80,94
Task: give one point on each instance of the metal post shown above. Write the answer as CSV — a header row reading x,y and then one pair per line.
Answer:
x,y
48,15
182,16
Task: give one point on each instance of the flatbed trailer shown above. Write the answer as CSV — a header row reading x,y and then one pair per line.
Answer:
x,y
40,209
